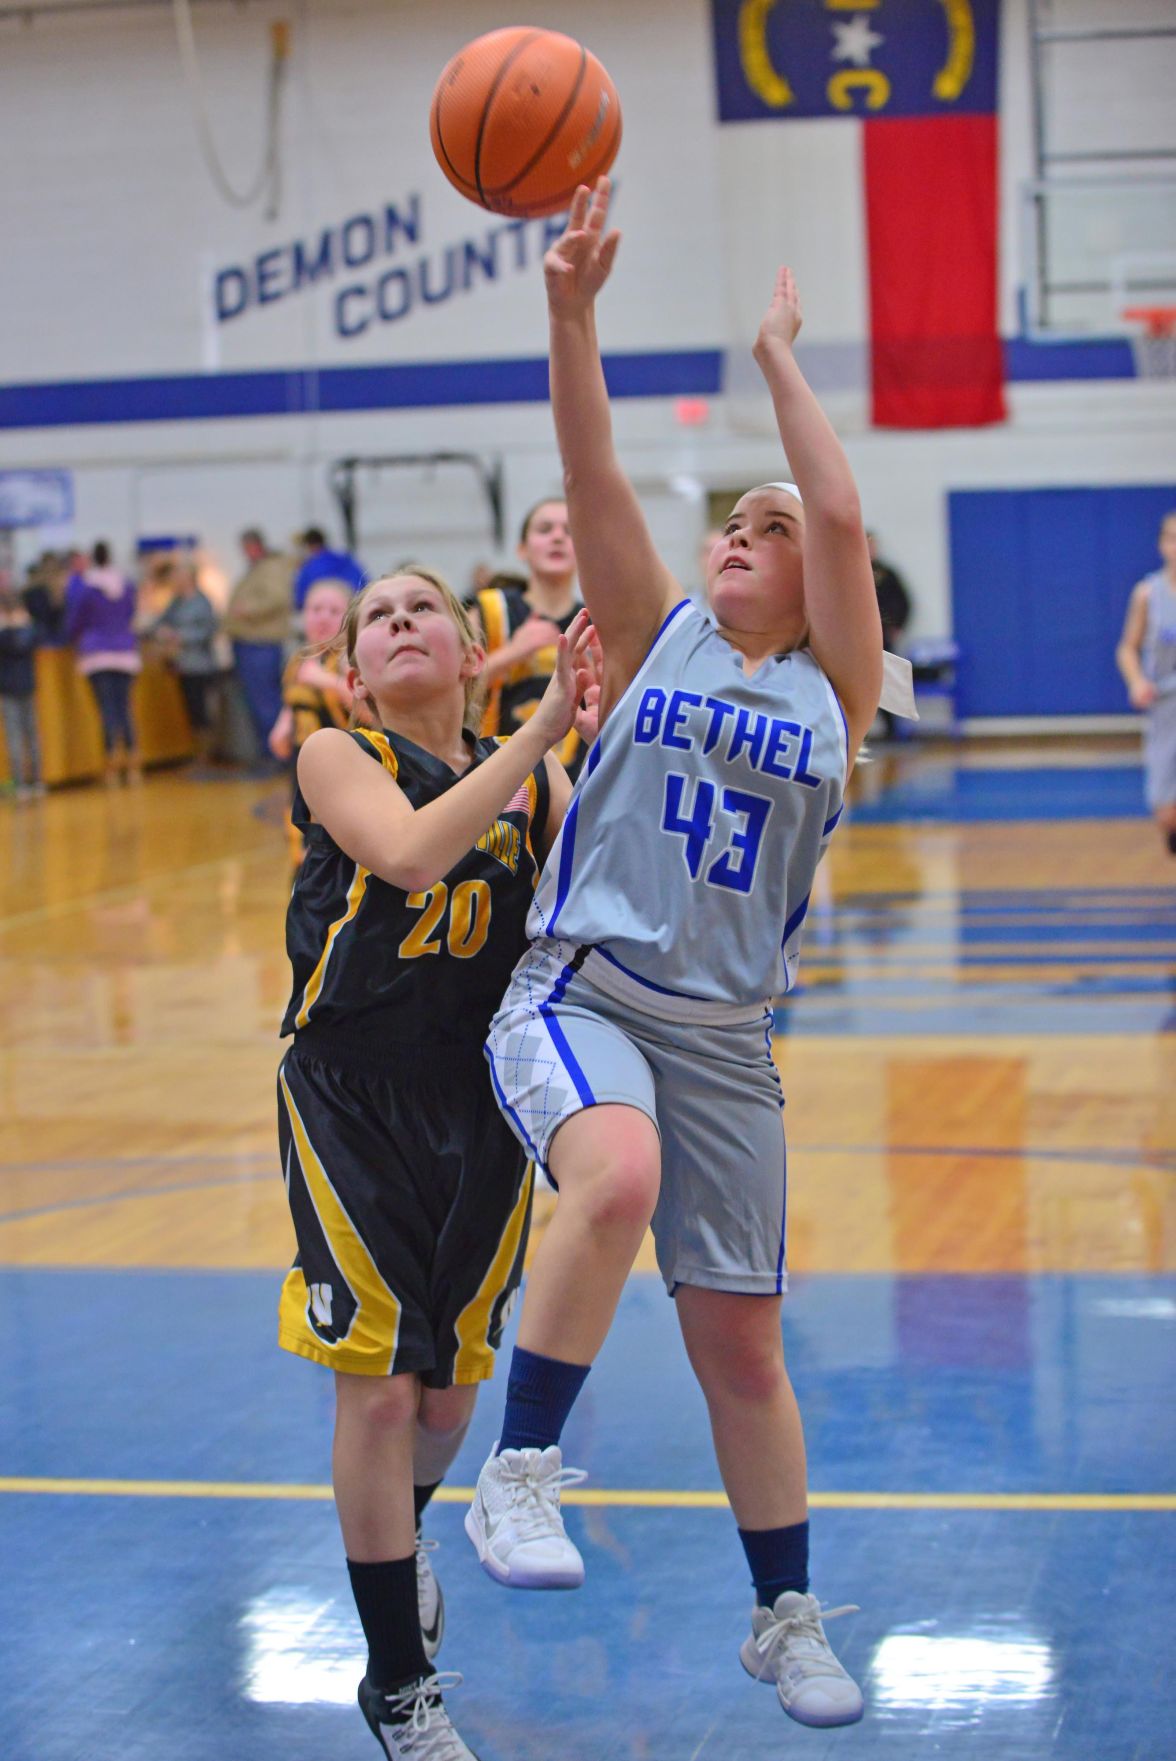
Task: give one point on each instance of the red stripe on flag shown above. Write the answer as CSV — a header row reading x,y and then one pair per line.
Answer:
x,y
931,217
519,801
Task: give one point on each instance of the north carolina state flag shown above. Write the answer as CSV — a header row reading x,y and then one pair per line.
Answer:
x,y
883,194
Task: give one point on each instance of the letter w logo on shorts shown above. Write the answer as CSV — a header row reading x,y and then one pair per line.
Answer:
x,y
320,1303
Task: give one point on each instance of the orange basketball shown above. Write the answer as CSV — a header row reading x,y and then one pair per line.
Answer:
x,y
521,117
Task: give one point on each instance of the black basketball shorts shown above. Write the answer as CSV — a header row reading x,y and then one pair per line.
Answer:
x,y
411,1202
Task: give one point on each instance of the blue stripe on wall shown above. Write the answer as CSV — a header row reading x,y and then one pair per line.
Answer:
x,y
288,392
292,391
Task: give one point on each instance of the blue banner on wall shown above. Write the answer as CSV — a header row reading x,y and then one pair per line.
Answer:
x,y
778,59
36,498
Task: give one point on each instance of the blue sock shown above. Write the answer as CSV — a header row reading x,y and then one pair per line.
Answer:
x,y
540,1393
778,1559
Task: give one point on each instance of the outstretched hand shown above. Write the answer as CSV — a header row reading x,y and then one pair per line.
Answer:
x,y
560,703
578,264
588,661
783,318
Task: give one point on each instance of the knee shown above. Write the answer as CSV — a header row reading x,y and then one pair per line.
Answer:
x,y
754,1374
731,1367
386,1405
441,1417
623,1195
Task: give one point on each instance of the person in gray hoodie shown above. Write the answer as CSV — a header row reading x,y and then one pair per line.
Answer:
x,y
100,605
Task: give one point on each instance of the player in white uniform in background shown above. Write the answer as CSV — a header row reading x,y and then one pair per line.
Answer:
x,y
1146,657
632,1053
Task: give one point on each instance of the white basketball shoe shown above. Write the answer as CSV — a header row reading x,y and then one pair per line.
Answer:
x,y
515,1521
787,1645
430,1601
412,1724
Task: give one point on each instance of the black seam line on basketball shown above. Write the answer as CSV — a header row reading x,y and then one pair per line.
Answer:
x,y
504,189
489,104
462,183
566,195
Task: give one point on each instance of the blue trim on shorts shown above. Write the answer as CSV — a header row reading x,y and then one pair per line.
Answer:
x,y
506,1107
830,823
663,990
559,1039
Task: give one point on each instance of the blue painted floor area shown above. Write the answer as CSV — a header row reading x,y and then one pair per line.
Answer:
x,y
949,793
1087,960
192,1629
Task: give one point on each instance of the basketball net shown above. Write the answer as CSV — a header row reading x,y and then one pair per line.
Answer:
x,y
1154,344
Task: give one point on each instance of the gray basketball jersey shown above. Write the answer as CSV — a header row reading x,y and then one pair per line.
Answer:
x,y
1159,638
688,852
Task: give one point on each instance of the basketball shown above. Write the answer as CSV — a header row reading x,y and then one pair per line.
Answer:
x,y
522,116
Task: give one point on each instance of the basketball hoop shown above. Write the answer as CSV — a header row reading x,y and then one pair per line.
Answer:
x,y
1154,346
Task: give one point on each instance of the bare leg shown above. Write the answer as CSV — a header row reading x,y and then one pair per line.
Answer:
x,y
607,1164
375,1424
737,1353
443,1419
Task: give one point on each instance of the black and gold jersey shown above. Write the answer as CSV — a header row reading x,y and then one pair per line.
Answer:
x,y
312,707
375,965
513,700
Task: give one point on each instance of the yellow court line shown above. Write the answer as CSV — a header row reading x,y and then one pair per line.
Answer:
x,y
613,1497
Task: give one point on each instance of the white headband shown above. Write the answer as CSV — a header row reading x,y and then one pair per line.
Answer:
x,y
788,488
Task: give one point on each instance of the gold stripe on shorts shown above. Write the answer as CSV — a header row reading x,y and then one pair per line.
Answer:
x,y
375,1326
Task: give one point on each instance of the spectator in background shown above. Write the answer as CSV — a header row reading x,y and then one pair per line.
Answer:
x,y
894,608
100,605
18,686
257,621
321,564
315,693
185,630
44,597
523,619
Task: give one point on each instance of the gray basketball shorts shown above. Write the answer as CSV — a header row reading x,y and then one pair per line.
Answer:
x,y
1159,752
559,1044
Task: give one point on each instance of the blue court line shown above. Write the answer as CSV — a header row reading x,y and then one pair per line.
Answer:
x,y
1159,1161
892,988
129,1192
1044,898
165,1158
847,957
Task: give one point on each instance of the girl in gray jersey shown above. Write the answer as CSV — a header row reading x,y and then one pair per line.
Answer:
x,y
1147,660
632,1052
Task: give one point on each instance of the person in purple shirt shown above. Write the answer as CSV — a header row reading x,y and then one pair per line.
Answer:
x,y
100,606
322,564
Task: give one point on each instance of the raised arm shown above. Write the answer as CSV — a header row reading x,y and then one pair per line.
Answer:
x,y
845,632
369,816
625,585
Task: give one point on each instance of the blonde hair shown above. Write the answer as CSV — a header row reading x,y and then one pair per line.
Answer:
x,y
344,643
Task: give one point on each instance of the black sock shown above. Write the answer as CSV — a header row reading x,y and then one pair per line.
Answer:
x,y
386,1598
1172,843
778,1559
420,1499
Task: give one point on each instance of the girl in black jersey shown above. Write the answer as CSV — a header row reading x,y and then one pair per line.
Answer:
x,y
409,1198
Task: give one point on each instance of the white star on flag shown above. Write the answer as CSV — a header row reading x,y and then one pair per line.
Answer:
x,y
856,42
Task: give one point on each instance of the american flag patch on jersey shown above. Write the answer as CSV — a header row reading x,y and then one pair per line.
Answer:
x,y
520,801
